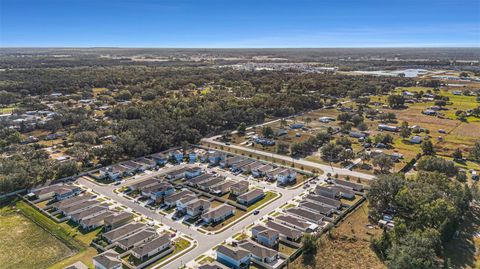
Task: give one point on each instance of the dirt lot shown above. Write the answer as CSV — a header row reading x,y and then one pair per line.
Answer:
x,y
349,246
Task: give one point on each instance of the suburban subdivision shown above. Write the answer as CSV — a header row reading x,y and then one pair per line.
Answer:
x,y
239,158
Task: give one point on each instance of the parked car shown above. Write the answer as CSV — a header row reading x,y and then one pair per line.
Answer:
x,y
256,212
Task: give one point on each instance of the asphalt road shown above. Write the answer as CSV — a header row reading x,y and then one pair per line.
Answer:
x,y
323,167
205,242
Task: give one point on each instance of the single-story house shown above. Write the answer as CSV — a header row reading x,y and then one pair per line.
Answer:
x,y
239,165
218,214
117,220
71,201
206,185
151,248
250,197
107,260
281,132
249,167
324,201
159,158
59,192
233,258
326,119
194,182
222,187
229,161
297,223
357,135
305,214
177,173
70,209
429,112
176,155
318,208
296,126
144,184
259,252
147,162
389,128
193,172
416,139
329,192
352,185
171,200
134,167
123,231
262,170
265,236
136,239
91,223
239,187
287,232
88,213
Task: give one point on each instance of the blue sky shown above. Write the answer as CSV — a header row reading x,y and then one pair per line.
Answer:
x,y
242,23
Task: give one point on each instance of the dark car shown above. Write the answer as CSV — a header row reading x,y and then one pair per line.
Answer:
x,y
256,212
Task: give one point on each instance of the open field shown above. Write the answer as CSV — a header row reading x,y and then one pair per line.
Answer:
x,y
348,247
27,245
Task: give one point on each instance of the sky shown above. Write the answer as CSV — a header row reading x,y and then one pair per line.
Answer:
x,y
240,23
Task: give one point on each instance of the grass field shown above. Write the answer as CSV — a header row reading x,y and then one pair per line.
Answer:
x,y
24,244
349,246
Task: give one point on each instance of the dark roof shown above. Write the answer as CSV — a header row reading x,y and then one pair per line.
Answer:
x,y
293,221
131,240
118,233
284,230
108,258
151,245
118,217
77,206
177,196
219,211
258,250
326,210
72,201
88,212
349,184
236,254
251,195
97,220
305,214
324,200
145,183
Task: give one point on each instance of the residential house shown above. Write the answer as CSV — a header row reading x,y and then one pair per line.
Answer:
x,y
193,172
134,167
177,155
71,201
177,174
358,135
116,220
416,139
326,119
214,157
389,128
233,258
212,266
296,126
251,197
194,182
272,174
349,184
158,191
70,209
238,165
305,214
171,200
239,187
284,231
259,252
159,158
265,236
114,172
197,207
192,156
96,221
344,192
333,203
123,231
317,208
184,201
218,214
107,260
249,167
88,213
430,112
328,192
147,162
222,187
58,192
144,184
151,248
262,170
296,223
230,161
207,185
286,176
136,239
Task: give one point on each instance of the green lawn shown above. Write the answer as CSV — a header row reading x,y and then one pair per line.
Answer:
x,y
25,244
269,195
180,245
